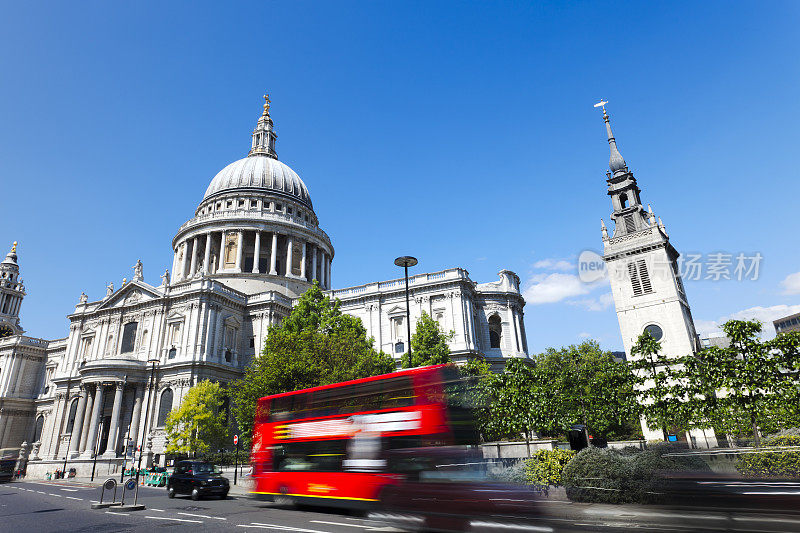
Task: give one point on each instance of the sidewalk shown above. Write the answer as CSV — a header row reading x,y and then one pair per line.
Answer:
x,y
242,487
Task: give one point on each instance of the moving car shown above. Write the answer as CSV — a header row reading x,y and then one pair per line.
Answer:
x,y
198,479
447,490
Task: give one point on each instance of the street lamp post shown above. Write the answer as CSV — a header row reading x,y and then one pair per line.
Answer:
x,y
153,363
405,262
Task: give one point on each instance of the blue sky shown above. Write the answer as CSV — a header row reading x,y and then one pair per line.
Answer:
x,y
459,132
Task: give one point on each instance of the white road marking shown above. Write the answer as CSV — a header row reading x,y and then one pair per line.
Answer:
x,y
340,524
157,510
203,516
115,513
70,490
41,492
289,528
175,519
74,498
57,495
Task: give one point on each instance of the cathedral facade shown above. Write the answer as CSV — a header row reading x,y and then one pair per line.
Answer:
x,y
253,246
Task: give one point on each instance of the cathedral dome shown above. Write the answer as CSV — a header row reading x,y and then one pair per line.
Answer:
x,y
260,173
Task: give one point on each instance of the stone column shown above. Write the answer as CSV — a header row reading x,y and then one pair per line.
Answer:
x,y
221,251
239,250
111,446
303,262
289,258
314,252
518,331
174,276
3,421
77,426
87,417
138,393
322,269
193,268
96,407
256,252
273,258
328,271
207,255
185,259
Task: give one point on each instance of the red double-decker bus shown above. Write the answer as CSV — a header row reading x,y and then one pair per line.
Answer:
x,y
326,445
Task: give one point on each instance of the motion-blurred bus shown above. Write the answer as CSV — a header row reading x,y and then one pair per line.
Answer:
x,y
327,445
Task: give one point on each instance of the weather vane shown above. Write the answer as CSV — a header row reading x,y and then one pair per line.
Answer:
x,y
602,103
266,103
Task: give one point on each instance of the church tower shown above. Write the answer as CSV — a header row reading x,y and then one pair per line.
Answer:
x,y
642,266
11,293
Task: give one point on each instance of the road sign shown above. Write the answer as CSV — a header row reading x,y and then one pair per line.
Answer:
x,y
235,440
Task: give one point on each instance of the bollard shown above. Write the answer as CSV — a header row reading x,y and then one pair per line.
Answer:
x,y
109,484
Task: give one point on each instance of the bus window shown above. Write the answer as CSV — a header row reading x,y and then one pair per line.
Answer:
x,y
318,456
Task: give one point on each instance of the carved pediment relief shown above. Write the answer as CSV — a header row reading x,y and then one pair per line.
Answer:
x,y
131,294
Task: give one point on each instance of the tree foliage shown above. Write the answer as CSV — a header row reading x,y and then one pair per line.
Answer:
x,y
661,391
584,384
428,344
744,389
198,424
747,388
576,384
315,345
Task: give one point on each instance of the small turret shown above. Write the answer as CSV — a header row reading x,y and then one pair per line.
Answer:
x,y
12,291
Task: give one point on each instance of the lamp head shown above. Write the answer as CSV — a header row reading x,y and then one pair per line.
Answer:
x,y
405,261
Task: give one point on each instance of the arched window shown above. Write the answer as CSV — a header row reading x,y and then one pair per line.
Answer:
x,y
623,201
164,407
73,409
37,429
495,331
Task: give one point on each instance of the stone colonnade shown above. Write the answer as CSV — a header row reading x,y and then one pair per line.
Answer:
x,y
251,251
93,401
10,303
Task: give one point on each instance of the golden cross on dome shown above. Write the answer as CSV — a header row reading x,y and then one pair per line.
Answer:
x,y
266,103
14,247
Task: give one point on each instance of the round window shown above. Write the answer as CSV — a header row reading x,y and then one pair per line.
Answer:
x,y
654,331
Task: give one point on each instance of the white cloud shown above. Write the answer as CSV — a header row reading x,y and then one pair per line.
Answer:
x,y
601,303
584,335
551,288
763,314
791,284
554,264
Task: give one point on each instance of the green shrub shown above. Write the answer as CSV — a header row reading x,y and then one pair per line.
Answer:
x,y
545,467
627,476
768,464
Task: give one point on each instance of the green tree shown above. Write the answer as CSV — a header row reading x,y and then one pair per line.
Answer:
x,y
198,424
660,386
428,344
748,386
582,383
315,345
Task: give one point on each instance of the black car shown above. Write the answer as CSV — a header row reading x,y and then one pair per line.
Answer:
x,y
197,478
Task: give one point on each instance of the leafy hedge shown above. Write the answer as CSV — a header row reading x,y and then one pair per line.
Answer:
x,y
768,464
545,466
604,475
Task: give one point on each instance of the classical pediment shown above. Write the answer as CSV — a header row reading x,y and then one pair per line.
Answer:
x,y
396,310
132,293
